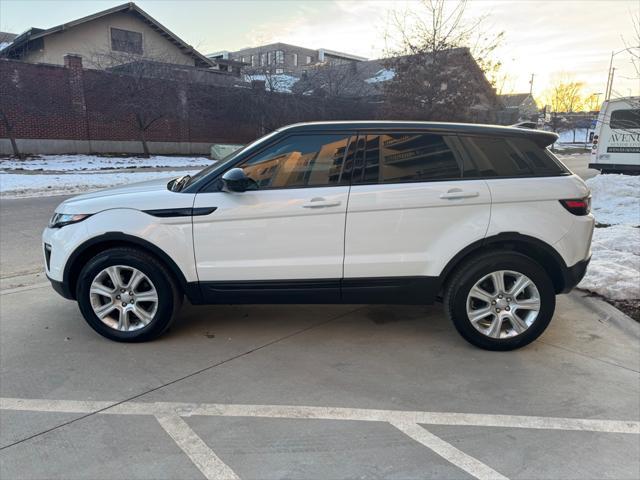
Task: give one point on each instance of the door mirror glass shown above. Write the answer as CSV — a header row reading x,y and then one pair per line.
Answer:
x,y
235,180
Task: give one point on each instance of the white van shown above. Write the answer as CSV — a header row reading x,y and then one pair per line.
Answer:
x,y
616,142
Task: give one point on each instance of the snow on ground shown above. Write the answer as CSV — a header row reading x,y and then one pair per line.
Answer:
x,y
95,162
614,271
566,136
280,82
615,199
383,75
14,185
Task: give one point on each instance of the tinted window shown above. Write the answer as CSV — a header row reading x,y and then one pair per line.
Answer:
x,y
299,161
407,157
625,119
509,157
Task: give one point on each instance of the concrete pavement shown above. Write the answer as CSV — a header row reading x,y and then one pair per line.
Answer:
x,y
305,391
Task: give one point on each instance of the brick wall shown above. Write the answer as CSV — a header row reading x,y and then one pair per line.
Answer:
x,y
71,103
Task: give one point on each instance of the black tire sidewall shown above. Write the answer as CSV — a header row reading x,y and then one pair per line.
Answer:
x,y
457,299
167,298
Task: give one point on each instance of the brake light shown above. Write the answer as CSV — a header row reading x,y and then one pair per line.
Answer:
x,y
580,206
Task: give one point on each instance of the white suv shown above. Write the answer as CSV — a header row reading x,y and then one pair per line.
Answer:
x,y
483,217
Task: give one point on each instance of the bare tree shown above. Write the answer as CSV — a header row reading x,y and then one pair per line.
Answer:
x,y
132,91
429,49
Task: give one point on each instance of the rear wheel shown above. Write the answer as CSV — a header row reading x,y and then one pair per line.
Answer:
x,y
500,300
127,295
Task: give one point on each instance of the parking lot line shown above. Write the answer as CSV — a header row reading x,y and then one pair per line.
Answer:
x,y
169,415
322,413
194,447
457,457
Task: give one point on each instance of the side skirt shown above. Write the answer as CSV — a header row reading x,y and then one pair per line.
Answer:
x,y
388,290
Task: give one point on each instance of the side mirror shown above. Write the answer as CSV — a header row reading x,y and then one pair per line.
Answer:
x,y
235,180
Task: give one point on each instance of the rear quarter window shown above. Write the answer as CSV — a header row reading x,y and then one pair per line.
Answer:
x,y
509,157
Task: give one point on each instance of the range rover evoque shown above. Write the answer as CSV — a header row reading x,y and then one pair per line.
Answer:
x,y
484,218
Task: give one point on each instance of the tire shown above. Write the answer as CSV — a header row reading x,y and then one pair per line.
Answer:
x,y
505,330
145,320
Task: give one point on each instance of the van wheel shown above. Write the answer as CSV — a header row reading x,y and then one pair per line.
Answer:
x,y
127,295
500,300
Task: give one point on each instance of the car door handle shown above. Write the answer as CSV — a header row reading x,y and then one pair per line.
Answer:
x,y
456,193
319,202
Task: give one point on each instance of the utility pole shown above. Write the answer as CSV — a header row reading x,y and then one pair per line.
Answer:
x,y
531,83
606,90
608,95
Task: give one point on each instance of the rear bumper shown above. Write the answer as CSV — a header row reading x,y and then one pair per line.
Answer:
x,y
61,288
618,167
574,274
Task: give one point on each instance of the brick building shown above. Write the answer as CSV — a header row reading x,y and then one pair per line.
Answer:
x,y
279,58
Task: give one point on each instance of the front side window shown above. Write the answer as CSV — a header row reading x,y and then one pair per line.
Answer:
x,y
126,41
308,59
410,157
279,56
295,59
625,119
299,161
263,59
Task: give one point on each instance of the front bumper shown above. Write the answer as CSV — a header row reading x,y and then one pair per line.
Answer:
x,y
61,288
574,274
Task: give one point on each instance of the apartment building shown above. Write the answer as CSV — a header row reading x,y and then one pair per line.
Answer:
x,y
280,57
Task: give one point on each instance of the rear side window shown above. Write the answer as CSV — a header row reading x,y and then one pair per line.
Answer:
x,y
299,161
625,119
397,158
509,157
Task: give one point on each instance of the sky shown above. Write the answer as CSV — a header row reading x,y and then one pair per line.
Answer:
x,y
552,39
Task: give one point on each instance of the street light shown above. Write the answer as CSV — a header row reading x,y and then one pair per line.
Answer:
x,y
611,71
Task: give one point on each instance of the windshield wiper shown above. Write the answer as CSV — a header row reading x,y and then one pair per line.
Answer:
x,y
180,182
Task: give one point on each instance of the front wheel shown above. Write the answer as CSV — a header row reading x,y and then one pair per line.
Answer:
x,y
500,300
127,295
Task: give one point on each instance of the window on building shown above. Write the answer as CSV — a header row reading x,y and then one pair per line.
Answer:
x,y
279,56
308,60
263,59
406,157
279,71
269,58
295,59
126,41
243,59
253,60
300,161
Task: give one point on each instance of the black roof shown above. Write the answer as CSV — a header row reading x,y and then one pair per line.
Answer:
x,y
541,137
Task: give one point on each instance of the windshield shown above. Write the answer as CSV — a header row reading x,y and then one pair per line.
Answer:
x,y
228,159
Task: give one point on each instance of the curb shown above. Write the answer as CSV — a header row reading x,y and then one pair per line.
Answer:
x,y
609,314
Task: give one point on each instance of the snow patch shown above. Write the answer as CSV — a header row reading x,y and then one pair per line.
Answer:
x,y
14,185
282,82
615,199
614,271
63,163
383,75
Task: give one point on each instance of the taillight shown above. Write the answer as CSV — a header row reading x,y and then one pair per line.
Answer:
x,y
579,206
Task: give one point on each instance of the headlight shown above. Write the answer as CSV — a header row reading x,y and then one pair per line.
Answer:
x,y
61,219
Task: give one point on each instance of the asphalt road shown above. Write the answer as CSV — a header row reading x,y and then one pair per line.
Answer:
x,y
305,391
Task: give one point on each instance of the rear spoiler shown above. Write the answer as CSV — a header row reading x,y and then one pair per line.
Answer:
x,y
541,137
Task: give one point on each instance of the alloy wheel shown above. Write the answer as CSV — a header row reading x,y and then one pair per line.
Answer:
x,y
123,298
503,304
